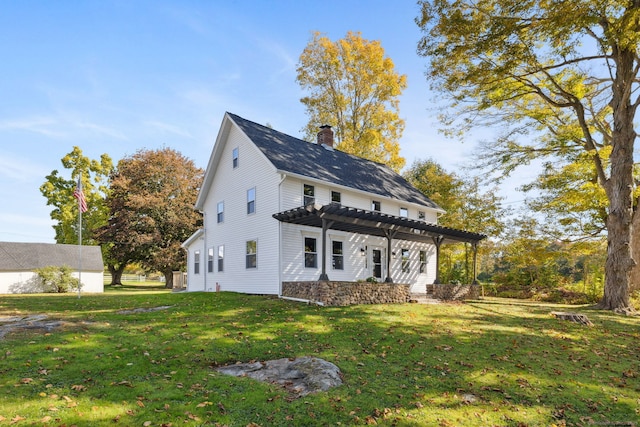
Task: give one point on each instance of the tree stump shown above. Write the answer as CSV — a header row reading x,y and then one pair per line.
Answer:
x,y
573,317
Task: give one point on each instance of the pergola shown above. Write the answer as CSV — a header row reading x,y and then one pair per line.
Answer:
x,y
338,217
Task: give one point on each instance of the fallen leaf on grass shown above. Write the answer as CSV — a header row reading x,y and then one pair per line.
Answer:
x,y
17,419
45,419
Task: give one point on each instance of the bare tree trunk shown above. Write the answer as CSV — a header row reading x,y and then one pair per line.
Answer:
x,y
168,279
619,188
634,277
116,274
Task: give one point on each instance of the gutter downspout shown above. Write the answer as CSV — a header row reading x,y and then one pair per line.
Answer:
x,y
205,254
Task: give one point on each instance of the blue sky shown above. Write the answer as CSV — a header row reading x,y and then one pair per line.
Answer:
x,y
115,76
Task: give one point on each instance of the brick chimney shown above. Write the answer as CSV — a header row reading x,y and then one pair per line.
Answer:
x,y
325,136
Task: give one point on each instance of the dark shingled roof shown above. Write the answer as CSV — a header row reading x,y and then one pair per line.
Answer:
x,y
293,155
29,256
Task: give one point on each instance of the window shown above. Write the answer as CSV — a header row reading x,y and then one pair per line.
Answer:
x,y
421,215
235,157
251,200
405,260
310,253
210,260
221,258
196,262
404,212
375,206
220,211
309,194
252,254
338,256
423,261
336,197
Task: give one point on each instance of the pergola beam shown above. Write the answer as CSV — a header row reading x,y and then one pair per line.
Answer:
x,y
372,223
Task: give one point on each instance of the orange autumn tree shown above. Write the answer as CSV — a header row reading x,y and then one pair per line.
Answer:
x,y
151,199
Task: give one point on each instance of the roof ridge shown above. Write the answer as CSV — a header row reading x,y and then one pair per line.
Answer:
x,y
336,150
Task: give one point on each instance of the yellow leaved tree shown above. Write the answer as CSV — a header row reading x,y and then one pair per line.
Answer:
x,y
353,87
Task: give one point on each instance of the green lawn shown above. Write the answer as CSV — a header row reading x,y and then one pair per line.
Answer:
x,y
484,363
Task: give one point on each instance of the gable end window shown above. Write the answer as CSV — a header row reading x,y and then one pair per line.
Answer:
x,y
251,201
252,254
220,211
309,194
310,253
235,157
375,205
196,262
421,215
404,212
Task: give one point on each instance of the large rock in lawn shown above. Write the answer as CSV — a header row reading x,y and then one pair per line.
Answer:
x,y
299,376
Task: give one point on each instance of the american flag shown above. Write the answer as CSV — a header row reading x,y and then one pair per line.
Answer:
x,y
78,194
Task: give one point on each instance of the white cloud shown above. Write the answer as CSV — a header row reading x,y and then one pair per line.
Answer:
x,y
62,125
37,124
165,127
19,169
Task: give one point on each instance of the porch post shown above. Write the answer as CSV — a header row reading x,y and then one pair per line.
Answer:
x,y
325,226
389,235
475,263
437,240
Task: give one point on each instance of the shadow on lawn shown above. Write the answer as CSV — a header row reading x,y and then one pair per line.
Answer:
x,y
401,363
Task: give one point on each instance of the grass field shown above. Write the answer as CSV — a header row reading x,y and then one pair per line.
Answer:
x,y
490,362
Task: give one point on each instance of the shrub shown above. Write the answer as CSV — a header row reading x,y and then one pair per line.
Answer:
x,y
57,279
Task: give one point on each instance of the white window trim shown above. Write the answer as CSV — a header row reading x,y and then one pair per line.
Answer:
x,y
255,204
317,252
235,159
246,254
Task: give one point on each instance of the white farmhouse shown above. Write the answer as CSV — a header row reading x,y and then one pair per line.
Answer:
x,y
278,209
18,262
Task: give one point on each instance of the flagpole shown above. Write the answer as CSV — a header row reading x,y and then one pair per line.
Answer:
x,y
79,245
82,207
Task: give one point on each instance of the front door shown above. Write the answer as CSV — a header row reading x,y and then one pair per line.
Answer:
x,y
376,263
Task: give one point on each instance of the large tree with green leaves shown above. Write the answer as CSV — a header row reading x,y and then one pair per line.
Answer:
x,y
562,78
354,88
467,207
58,191
151,199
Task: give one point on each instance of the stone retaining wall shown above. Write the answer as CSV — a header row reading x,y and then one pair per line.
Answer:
x,y
346,293
456,292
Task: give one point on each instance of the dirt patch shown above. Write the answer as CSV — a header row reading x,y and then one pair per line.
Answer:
x,y
39,322
145,310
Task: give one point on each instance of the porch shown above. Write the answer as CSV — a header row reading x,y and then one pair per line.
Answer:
x,y
335,216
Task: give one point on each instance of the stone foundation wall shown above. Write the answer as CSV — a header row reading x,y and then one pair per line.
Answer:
x,y
347,293
456,292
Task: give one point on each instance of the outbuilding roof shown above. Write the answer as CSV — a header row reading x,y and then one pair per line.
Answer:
x,y
19,256
296,156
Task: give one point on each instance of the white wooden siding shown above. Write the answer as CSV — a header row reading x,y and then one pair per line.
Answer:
x,y
230,185
195,282
292,197
24,282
